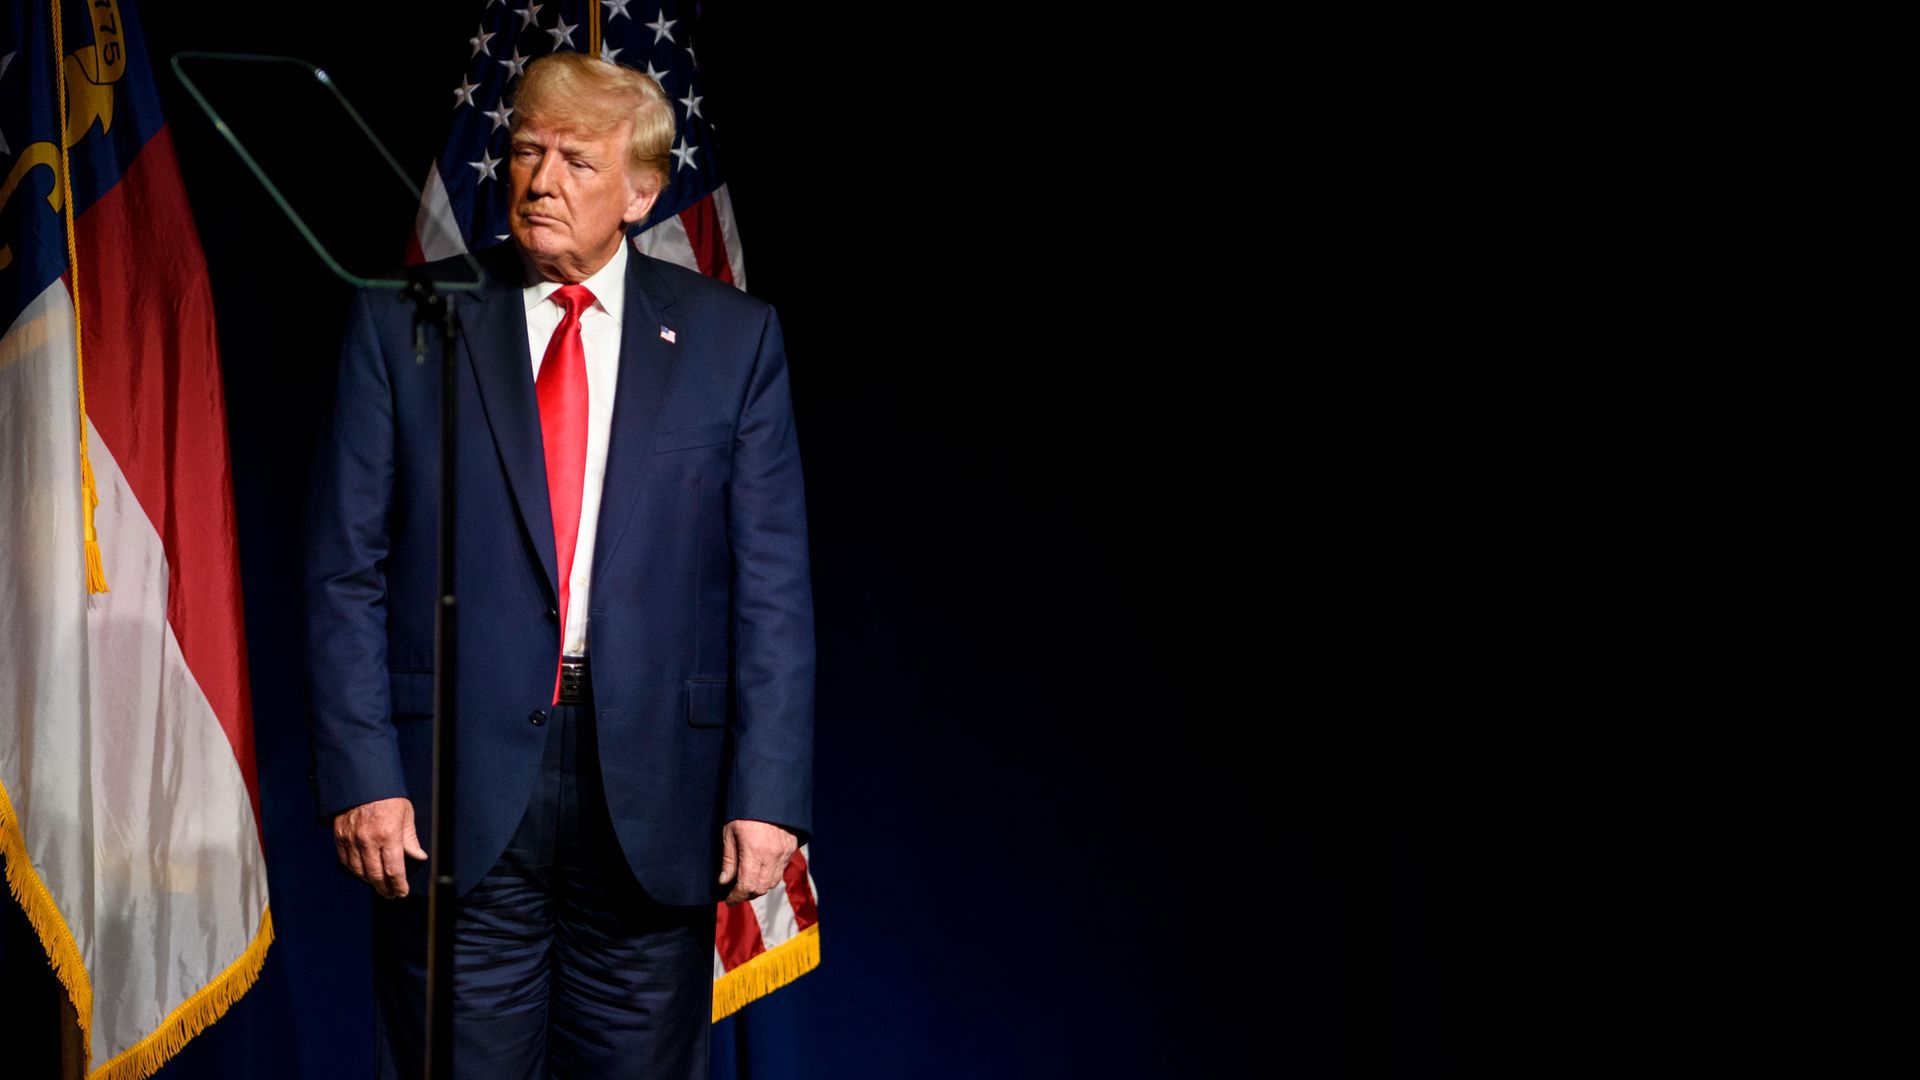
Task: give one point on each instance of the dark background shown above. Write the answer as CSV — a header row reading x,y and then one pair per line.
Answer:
x,y
1116,774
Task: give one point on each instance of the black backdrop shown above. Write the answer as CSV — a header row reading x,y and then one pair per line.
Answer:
x,y
1104,782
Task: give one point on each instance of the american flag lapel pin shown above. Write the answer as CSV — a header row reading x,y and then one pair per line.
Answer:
x,y
667,335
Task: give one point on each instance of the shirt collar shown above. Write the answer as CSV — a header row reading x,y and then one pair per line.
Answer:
x,y
608,285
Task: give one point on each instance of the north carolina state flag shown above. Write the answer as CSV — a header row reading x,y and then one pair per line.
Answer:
x,y
129,812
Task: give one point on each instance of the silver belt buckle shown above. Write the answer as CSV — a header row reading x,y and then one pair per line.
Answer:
x,y
573,680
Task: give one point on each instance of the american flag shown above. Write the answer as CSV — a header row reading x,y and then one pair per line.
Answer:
x,y
764,945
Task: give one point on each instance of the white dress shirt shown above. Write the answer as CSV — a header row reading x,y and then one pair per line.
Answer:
x,y
600,334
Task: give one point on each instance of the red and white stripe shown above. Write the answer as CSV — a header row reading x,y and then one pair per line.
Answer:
x,y
702,237
766,943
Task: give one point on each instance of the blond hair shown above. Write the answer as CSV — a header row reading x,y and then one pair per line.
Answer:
x,y
574,90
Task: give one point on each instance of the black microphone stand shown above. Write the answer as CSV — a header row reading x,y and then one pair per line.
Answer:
x,y
442,903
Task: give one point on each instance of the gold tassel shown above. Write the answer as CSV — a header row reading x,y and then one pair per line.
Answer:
x,y
89,495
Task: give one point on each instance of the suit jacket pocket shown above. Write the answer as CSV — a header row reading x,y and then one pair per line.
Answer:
x,y
694,437
707,702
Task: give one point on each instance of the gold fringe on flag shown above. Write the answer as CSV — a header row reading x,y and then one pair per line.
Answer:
x,y
593,28
766,973
44,915
144,1058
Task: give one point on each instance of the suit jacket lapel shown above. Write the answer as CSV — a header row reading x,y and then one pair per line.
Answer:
x,y
646,374
493,325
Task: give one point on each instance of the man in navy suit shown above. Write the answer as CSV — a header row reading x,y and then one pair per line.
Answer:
x,y
635,656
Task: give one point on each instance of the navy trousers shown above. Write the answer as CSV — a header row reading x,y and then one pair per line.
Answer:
x,y
564,967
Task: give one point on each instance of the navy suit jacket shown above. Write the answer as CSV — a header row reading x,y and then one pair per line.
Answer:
x,y
701,631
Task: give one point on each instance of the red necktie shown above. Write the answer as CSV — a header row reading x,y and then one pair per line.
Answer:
x,y
562,390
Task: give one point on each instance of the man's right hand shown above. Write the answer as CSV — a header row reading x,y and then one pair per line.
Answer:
x,y
375,840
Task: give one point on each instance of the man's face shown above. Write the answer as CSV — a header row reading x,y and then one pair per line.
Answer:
x,y
572,198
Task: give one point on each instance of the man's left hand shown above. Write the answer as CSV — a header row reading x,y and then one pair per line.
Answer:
x,y
754,856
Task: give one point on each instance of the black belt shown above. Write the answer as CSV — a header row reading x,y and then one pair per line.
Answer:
x,y
575,688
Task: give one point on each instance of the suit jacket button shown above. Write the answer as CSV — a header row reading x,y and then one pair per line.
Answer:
x,y
537,717
553,616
